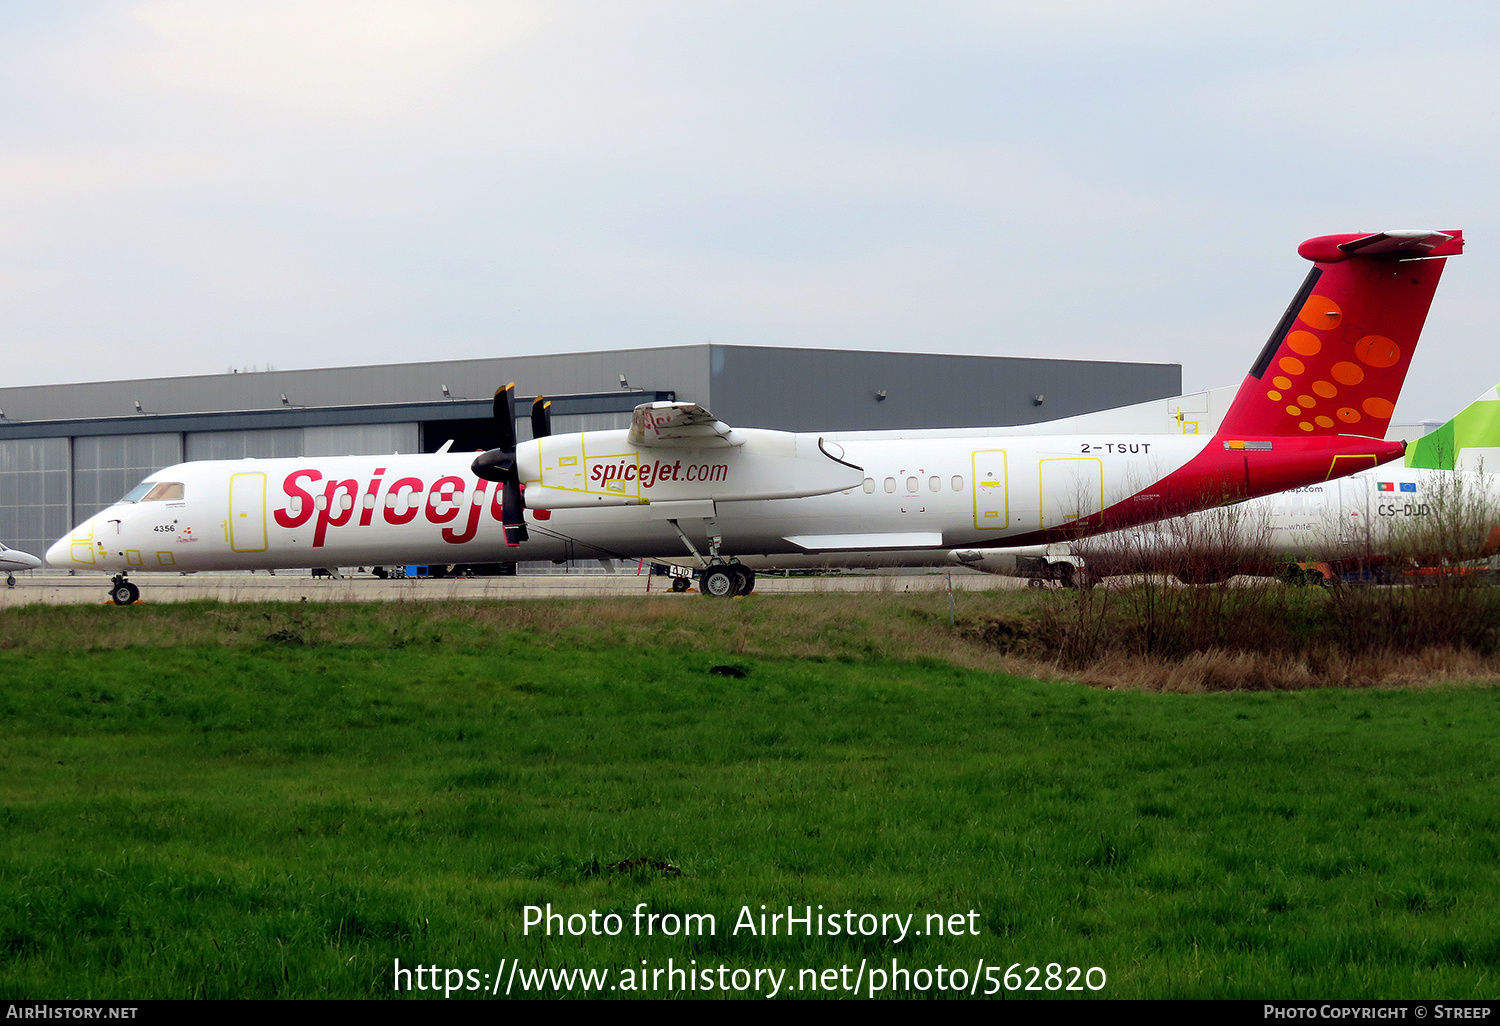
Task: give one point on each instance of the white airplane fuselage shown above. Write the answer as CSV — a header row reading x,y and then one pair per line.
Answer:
x,y
931,492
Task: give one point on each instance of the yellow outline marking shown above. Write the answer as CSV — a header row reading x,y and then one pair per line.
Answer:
x,y
1003,484
85,540
608,487
264,541
166,559
580,463
1041,486
1334,472
582,457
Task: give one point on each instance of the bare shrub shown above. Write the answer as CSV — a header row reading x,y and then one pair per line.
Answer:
x,y
1210,637
1155,615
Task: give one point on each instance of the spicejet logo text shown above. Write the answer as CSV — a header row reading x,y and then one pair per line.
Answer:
x,y
615,468
455,503
399,502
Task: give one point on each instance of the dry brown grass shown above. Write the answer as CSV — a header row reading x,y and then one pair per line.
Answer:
x,y
1248,671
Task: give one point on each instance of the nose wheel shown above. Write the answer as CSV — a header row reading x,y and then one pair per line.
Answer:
x,y
123,592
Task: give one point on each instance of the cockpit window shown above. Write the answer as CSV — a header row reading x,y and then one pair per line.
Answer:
x,y
155,491
164,491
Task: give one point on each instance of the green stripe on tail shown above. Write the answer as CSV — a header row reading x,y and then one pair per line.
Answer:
x,y
1477,426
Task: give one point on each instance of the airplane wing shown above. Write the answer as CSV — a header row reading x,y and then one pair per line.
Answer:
x,y
679,425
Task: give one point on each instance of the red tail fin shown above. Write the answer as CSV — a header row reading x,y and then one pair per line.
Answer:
x,y
1336,362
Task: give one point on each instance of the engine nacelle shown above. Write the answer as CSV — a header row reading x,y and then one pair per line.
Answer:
x,y
604,468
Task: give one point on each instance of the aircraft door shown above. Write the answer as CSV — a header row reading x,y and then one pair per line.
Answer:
x,y
1072,489
247,513
991,490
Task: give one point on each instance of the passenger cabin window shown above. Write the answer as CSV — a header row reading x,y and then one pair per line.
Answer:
x,y
890,484
958,483
869,486
935,484
164,491
911,484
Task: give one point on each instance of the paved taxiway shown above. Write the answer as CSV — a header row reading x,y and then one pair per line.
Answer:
x,y
92,589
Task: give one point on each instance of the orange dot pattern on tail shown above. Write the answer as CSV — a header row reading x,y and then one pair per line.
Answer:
x,y
1324,354
1338,356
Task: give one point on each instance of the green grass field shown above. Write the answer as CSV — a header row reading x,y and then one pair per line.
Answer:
x,y
256,801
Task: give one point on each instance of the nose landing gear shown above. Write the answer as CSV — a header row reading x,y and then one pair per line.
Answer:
x,y
122,592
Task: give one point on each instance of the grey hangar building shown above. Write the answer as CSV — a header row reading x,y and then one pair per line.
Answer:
x,y
68,451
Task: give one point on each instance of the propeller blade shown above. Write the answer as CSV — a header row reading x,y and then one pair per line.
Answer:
x,y
541,417
512,507
505,416
497,465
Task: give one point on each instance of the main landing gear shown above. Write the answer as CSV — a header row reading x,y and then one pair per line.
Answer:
x,y
122,592
719,578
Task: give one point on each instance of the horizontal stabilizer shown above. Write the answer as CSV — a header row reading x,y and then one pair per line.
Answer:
x,y
678,425
1400,244
866,542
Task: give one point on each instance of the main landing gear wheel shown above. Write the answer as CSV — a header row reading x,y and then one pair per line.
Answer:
x,y
680,584
719,582
727,579
124,593
744,579
10,580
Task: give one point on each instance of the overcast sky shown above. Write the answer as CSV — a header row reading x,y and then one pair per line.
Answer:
x,y
190,185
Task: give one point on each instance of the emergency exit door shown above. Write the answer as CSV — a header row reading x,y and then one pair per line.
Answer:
x,y
1072,489
991,490
247,513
